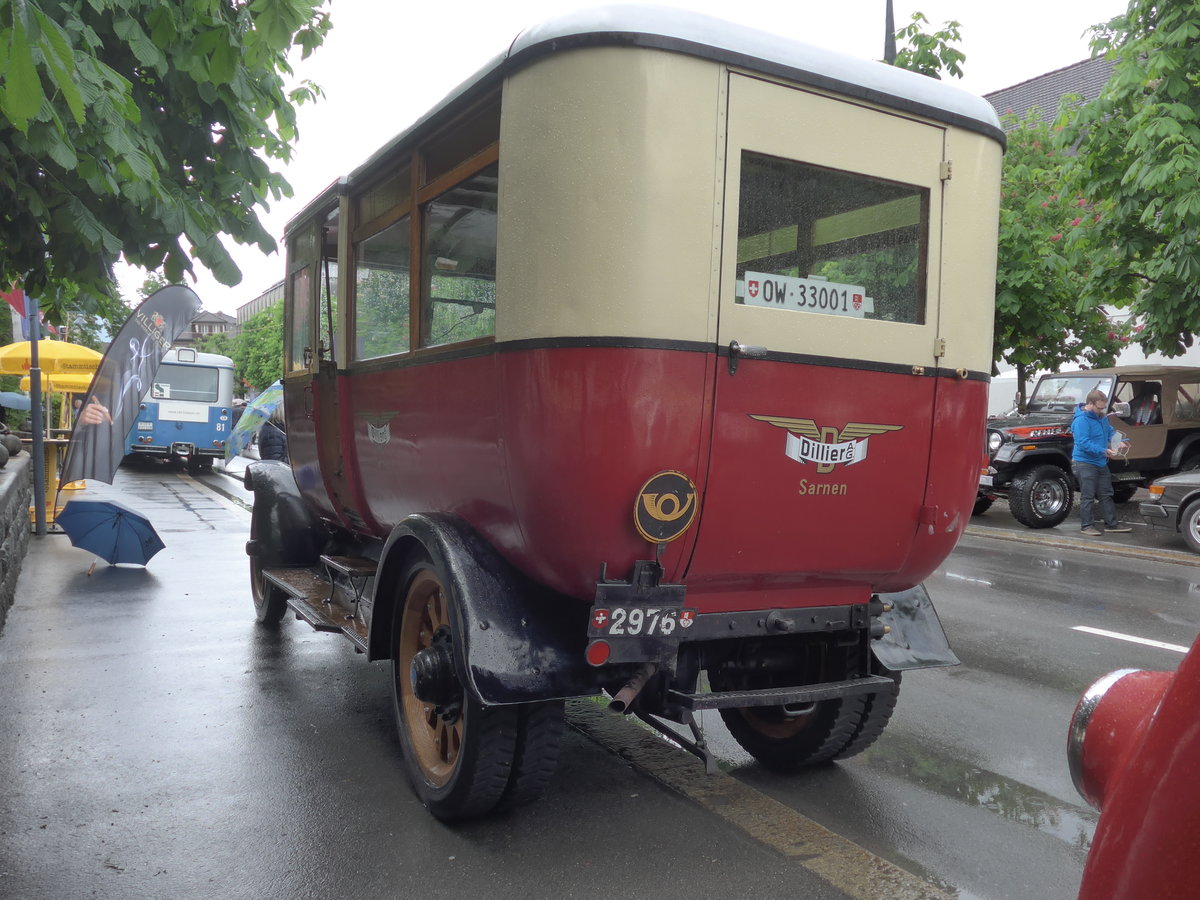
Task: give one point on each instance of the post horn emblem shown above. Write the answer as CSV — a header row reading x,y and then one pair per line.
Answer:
x,y
665,507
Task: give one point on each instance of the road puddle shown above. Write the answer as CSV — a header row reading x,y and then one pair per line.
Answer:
x,y
957,779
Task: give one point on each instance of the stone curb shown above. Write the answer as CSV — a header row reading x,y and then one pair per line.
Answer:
x,y
1090,545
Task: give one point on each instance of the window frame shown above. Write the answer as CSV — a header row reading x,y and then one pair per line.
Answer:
x,y
421,192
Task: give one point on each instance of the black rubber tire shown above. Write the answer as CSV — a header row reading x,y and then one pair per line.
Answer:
x,y
270,602
827,730
1041,496
1189,525
459,756
982,505
877,712
540,729
1190,464
1123,493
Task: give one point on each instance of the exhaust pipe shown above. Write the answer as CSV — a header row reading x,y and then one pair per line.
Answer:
x,y
624,698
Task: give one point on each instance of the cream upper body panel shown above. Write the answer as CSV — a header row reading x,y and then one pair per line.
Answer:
x,y
607,224
620,207
971,224
624,133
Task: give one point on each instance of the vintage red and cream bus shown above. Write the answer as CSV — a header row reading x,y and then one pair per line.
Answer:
x,y
651,363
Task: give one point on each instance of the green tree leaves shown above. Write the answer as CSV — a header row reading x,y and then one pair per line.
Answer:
x,y
929,54
1050,240
143,128
258,351
1140,149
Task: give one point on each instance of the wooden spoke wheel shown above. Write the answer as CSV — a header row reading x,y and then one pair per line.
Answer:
x,y
270,602
459,753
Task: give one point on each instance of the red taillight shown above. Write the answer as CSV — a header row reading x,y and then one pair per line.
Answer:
x,y
598,653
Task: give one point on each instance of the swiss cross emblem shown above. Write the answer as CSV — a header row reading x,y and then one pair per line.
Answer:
x,y
857,301
159,321
752,287
686,617
599,617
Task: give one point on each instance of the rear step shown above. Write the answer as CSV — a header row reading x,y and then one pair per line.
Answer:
x,y
871,684
310,595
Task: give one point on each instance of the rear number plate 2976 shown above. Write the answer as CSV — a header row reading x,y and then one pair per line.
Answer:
x,y
635,621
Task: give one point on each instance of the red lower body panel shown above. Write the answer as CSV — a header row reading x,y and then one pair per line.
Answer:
x,y
814,483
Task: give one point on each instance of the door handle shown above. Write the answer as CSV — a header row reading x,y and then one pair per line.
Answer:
x,y
739,351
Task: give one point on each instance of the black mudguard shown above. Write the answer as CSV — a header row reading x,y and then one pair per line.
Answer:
x,y
917,639
286,531
521,643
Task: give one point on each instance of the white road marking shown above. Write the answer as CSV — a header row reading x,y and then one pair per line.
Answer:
x,y
1116,635
968,578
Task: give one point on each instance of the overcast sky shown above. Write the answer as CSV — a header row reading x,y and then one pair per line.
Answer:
x,y
383,65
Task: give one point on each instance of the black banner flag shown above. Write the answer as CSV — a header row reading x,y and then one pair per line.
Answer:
x,y
98,439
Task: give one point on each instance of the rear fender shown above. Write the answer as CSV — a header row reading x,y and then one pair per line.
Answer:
x,y
916,639
521,643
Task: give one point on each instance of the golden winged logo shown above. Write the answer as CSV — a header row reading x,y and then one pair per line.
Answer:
x,y
825,445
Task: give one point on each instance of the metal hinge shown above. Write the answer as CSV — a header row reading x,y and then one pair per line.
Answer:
x,y
939,348
944,172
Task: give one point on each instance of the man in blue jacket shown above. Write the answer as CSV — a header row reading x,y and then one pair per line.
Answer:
x,y
1089,459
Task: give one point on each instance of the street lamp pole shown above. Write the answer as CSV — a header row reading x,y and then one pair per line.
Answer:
x,y
889,36
37,447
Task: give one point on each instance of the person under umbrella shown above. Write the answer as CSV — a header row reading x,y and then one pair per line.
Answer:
x,y
272,440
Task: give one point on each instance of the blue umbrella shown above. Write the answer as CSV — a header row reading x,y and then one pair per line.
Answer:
x,y
111,530
13,400
257,412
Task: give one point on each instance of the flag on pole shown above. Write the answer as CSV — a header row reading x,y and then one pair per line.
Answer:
x,y
111,407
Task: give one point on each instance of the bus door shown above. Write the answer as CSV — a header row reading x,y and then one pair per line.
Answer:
x,y
312,382
829,313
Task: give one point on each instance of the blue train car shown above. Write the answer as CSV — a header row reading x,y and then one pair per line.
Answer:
x,y
187,410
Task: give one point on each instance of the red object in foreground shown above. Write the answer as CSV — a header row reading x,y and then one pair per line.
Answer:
x,y
1134,746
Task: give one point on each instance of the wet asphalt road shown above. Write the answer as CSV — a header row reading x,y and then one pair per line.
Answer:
x,y
155,743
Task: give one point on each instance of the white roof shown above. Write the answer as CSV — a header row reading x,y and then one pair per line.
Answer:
x,y
687,32
677,28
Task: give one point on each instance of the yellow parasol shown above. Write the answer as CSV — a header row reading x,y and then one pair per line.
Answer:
x,y
54,358
62,384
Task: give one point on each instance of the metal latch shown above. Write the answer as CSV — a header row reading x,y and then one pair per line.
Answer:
x,y
737,351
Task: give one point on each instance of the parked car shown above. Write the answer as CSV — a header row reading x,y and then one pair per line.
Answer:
x,y
1132,748
1175,500
1028,457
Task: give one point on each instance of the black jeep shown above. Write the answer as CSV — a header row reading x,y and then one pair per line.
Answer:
x,y
1028,457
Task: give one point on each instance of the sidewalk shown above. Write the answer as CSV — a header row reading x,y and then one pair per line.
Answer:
x,y
1144,542
226,480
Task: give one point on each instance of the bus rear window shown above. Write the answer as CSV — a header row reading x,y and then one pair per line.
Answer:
x,y
195,383
817,240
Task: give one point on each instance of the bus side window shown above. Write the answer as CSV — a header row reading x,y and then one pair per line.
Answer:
x,y
300,345
381,272
460,261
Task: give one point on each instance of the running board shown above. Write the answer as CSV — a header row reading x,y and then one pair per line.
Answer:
x,y
308,594
870,684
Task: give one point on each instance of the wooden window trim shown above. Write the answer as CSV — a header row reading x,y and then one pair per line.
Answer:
x,y
421,194
458,174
